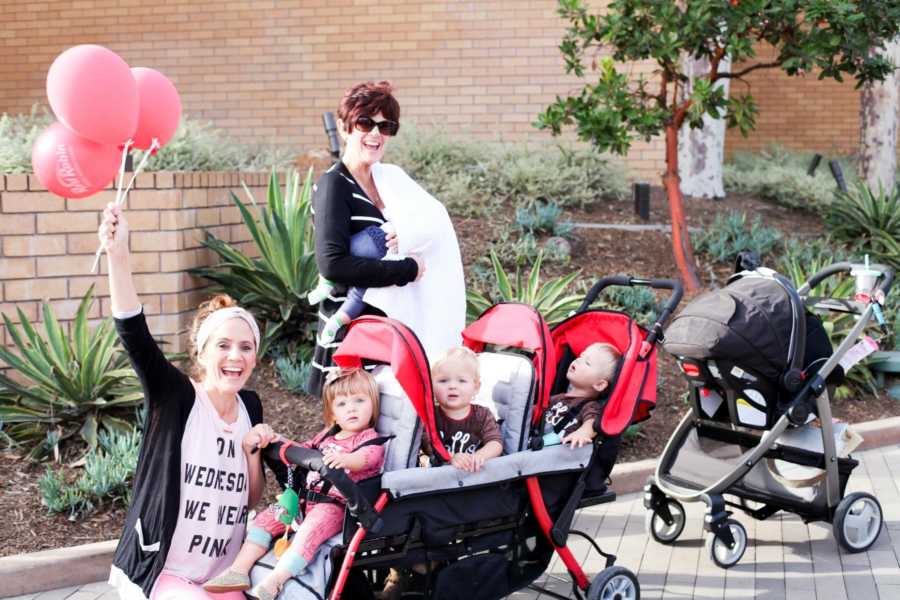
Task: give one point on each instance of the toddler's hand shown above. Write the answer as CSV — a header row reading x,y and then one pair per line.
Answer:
x,y
335,459
391,241
467,462
576,439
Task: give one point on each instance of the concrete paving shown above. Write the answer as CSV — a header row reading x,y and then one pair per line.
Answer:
x,y
785,558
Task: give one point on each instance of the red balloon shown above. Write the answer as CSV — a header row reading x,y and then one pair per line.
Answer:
x,y
92,92
160,108
72,166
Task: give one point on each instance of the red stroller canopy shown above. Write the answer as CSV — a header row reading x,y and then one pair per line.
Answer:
x,y
634,394
519,326
391,342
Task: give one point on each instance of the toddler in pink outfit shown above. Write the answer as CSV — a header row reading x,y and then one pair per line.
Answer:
x,y
350,413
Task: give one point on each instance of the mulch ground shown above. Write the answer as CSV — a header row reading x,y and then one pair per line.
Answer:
x,y
26,526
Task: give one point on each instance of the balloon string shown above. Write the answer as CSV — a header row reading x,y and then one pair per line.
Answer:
x,y
121,195
153,147
125,149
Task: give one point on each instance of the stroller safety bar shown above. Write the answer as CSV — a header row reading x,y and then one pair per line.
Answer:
x,y
624,280
887,276
311,460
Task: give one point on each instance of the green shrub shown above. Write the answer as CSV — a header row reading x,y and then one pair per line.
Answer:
x,y
472,177
274,286
108,470
730,234
779,175
547,298
293,373
17,135
543,217
639,302
869,221
198,146
69,385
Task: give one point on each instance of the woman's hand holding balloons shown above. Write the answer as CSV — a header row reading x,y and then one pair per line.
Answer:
x,y
113,232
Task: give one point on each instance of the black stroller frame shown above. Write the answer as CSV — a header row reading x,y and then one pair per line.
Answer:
x,y
727,538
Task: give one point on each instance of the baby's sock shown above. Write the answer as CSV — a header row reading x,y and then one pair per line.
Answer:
x,y
320,292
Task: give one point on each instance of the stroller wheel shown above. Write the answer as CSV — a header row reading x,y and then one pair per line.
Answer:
x,y
656,525
614,583
857,521
720,552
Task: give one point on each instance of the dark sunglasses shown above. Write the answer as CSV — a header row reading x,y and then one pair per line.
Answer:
x,y
386,127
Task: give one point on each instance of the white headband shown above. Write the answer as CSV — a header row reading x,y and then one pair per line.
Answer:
x,y
212,322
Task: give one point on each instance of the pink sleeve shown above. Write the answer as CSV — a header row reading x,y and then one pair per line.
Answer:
x,y
373,454
314,440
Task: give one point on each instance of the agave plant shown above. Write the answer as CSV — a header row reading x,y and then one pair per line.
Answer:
x,y
273,286
868,220
547,298
65,384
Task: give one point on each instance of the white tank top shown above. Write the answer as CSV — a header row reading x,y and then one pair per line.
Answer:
x,y
214,490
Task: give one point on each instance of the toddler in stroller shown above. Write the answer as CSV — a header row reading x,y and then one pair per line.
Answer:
x,y
348,442
482,534
758,366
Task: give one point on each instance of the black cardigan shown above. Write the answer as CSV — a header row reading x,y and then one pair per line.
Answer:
x,y
168,399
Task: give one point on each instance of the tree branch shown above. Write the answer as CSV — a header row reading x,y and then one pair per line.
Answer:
x,y
742,72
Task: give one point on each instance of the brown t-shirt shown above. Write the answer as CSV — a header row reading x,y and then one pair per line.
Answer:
x,y
464,435
558,416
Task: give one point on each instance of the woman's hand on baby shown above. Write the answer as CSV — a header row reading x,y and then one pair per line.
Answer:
x,y
113,231
391,241
420,263
259,437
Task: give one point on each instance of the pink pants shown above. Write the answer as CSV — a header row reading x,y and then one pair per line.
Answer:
x,y
322,521
170,587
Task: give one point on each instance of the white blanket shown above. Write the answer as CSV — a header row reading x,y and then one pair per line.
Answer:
x,y
435,306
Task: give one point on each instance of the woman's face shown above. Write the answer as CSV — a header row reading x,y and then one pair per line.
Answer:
x,y
229,357
365,147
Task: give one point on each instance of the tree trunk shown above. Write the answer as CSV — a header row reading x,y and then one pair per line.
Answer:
x,y
878,126
702,151
681,241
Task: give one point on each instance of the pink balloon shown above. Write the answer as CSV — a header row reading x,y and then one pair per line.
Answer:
x,y
92,92
72,166
160,108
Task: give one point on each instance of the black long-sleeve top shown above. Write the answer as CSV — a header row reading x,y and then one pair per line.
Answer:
x,y
342,208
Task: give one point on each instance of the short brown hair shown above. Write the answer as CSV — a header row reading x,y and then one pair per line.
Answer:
x,y
366,100
349,381
203,311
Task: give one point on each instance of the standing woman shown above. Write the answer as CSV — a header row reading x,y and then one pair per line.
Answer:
x,y
198,472
346,201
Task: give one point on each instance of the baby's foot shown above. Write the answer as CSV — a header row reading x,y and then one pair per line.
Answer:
x,y
229,581
320,292
331,328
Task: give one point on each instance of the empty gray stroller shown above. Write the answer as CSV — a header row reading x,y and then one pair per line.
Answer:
x,y
759,367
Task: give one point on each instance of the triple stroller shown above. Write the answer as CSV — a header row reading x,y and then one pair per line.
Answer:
x,y
484,535
760,431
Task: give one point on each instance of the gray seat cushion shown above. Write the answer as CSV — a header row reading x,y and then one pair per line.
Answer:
x,y
553,459
398,418
507,385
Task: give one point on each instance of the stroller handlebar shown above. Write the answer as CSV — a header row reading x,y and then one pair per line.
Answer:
x,y
887,276
677,291
311,460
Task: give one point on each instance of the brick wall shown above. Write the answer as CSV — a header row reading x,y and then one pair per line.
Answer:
x,y
799,112
47,244
266,70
